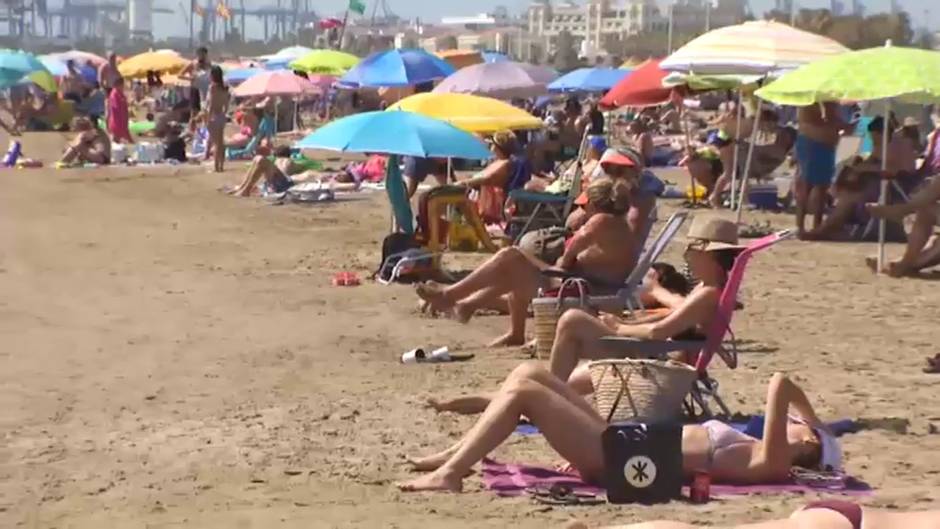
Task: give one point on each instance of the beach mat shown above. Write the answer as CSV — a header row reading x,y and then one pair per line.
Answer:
x,y
509,480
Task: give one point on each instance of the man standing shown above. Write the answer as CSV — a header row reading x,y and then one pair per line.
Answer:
x,y
820,126
108,73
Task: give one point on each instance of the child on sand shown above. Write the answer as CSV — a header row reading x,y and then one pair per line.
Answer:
x,y
118,114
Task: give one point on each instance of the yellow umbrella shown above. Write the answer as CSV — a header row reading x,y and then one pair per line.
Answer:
x,y
469,112
461,58
157,61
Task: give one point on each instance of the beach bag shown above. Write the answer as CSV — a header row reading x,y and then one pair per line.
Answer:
x,y
643,462
639,389
403,259
548,308
175,149
547,244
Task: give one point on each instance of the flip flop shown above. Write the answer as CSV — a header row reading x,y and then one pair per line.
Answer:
x,y
559,494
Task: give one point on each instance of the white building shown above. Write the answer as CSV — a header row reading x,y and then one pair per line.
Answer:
x,y
596,21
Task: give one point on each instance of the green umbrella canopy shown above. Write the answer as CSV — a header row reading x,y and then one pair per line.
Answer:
x,y
906,74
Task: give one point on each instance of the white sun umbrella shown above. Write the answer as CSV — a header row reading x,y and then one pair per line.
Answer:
x,y
761,47
501,80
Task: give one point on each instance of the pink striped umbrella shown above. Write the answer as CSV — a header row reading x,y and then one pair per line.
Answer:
x,y
276,83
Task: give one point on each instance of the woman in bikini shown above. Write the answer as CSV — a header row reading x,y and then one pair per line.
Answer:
x,y
603,249
217,106
793,436
825,514
91,146
710,254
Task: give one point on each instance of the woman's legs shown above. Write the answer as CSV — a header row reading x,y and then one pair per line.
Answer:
x,y
817,203
924,221
217,137
568,422
576,338
260,167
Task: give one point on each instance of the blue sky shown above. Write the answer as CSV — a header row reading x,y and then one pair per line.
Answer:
x,y
433,11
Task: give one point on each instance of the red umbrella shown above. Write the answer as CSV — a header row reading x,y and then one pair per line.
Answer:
x,y
643,87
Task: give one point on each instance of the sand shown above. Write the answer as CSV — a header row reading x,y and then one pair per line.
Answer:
x,y
174,357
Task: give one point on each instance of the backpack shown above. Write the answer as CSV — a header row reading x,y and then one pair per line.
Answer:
x,y
403,259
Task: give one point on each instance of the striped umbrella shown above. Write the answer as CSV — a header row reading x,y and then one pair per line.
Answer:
x,y
759,47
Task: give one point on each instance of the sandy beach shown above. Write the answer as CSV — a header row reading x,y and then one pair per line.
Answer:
x,y
174,357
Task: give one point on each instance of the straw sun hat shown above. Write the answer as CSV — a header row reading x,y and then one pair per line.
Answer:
x,y
720,234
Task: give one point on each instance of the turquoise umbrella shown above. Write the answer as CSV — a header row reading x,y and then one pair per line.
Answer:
x,y
397,133
15,65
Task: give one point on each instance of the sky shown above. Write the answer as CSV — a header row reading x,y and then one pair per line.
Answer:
x,y
166,25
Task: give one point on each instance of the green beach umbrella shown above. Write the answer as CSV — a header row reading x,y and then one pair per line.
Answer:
x,y
905,74
889,74
328,62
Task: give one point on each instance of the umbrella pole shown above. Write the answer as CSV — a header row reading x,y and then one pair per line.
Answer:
x,y
747,163
883,195
734,164
688,146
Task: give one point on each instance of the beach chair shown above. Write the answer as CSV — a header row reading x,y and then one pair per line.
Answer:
x,y
627,297
545,209
700,353
265,130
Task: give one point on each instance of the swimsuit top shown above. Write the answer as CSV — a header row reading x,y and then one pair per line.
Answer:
x,y
932,165
723,436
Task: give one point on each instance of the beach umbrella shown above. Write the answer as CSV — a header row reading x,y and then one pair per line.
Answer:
x,y
589,80
397,133
397,68
643,87
757,47
329,62
502,80
15,66
240,75
81,57
461,58
493,56
468,112
157,61
276,84
890,73
710,82
55,64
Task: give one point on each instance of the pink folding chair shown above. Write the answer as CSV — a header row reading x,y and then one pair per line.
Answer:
x,y
700,353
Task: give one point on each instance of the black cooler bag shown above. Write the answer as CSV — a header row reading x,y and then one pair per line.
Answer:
x,y
643,462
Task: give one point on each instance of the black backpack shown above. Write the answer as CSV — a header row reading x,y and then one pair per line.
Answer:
x,y
393,246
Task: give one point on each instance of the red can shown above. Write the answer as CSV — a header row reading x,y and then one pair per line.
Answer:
x,y
700,491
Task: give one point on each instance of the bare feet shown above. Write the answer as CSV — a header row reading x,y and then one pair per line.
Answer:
x,y
462,312
439,480
507,340
431,462
893,268
434,295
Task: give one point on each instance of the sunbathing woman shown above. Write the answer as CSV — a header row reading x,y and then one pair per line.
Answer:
x,y
277,174
825,514
573,428
710,254
604,249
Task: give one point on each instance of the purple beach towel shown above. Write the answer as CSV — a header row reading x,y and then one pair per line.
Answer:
x,y
514,480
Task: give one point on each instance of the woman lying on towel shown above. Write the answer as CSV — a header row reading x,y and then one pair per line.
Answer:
x,y
604,249
712,249
92,145
793,436
824,514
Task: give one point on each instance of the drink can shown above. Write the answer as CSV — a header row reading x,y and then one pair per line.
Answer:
x,y
700,492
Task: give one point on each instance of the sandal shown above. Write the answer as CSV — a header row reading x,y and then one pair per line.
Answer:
x,y
560,494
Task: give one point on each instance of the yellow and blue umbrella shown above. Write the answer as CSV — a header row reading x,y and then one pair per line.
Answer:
x,y
15,66
469,112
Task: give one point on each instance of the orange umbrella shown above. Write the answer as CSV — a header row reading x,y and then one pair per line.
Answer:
x,y
461,58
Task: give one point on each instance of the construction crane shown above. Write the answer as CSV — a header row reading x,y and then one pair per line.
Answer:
x,y
187,13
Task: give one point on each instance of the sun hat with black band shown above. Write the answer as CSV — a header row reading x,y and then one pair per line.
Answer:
x,y
716,232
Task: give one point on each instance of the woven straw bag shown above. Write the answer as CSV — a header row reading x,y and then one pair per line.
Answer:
x,y
547,310
640,390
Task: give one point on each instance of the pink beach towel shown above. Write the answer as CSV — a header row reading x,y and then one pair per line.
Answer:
x,y
514,480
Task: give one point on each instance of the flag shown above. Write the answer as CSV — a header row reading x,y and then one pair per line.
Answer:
x,y
330,23
223,11
357,6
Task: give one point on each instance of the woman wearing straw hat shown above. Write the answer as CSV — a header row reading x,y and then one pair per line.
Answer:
x,y
573,428
711,251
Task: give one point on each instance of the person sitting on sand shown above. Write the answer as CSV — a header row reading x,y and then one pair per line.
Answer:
x,y
92,145
604,249
573,428
277,174
923,246
710,254
179,113
821,514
